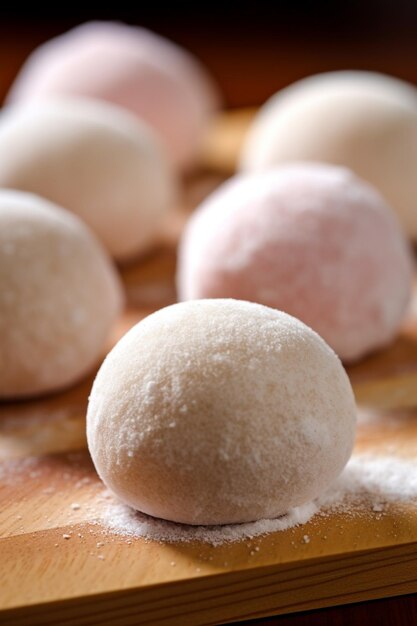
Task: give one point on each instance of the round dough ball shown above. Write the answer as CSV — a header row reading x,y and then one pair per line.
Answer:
x,y
220,411
59,296
131,67
365,121
312,240
94,159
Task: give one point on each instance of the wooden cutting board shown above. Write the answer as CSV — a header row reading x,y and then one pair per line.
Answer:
x,y
58,567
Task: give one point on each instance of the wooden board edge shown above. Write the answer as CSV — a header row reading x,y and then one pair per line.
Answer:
x,y
248,594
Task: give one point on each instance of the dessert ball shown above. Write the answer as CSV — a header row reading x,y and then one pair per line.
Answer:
x,y
220,411
365,121
312,240
59,296
131,67
94,159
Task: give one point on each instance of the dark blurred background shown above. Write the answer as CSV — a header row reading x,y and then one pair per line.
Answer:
x,y
253,49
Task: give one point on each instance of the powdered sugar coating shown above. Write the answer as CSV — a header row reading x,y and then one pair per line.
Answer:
x,y
363,120
94,159
132,67
310,239
220,411
59,296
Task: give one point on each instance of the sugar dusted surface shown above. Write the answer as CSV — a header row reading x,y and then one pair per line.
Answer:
x,y
369,487
368,484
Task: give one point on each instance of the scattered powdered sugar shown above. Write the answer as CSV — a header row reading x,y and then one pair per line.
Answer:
x,y
387,479
367,484
124,520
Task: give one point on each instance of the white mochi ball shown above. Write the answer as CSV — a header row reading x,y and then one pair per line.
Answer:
x,y
59,297
220,411
362,120
94,159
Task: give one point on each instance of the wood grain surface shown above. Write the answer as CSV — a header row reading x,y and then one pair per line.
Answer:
x,y
57,566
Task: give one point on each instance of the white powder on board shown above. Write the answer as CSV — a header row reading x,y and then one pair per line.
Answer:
x,y
367,485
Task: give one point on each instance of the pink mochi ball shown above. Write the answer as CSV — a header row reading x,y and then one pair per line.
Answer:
x,y
312,240
131,67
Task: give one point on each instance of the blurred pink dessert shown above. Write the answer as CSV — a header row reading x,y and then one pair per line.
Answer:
x,y
131,67
312,240
361,120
